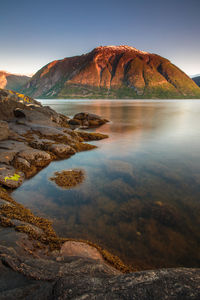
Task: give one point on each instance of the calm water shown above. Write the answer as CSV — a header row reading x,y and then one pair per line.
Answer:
x,y
141,195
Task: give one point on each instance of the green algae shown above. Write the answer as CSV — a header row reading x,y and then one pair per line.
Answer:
x,y
15,177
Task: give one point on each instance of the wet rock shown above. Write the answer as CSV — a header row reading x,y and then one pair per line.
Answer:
x,y
91,136
73,248
75,122
61,150
36,157
19,113
87,120
4,130
85,278
22,162
9,177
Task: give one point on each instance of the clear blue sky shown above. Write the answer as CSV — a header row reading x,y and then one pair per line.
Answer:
x,y
33,33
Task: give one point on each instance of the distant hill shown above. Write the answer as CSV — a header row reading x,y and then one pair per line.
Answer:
x,y
112,72
12,81
197,80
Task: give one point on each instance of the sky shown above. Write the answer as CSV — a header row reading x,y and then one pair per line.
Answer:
x,y
33,33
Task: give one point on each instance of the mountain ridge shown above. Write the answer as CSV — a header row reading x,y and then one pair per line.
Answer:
x,y
197,80
12,81
112,72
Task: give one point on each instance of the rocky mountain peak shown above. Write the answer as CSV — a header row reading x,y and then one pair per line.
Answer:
x,y
120,48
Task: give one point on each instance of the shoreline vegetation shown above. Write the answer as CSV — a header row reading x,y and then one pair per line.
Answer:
x,y
33,137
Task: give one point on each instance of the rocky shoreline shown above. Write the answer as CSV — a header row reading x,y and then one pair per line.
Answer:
x,y
34,262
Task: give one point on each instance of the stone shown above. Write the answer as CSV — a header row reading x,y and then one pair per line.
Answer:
x,y
7,156
73,248
176,284
23,162
87,120
19,113
75,277
61,150
74,122
9,177
36,157
4,130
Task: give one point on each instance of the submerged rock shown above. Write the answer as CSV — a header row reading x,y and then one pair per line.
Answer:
x,y
68,179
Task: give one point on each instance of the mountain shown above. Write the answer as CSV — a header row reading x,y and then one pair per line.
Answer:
x,y
112,72
12,81
197,80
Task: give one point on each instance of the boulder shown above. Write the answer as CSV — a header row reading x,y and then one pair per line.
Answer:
x,y
73,248
87,120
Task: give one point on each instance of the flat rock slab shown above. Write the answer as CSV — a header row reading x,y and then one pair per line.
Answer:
x,y
72,248
10,177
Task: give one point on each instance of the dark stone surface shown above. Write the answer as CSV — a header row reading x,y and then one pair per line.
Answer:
x,y
172,284
85,278
19,113
87,120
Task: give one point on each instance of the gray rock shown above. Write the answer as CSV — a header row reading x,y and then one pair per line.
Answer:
x,y
168,284
15,286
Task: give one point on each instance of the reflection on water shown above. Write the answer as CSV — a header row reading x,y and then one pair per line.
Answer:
x,y
141,196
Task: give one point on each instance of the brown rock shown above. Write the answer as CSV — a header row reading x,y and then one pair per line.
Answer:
x,y
72,248
10,177
36,157
4,130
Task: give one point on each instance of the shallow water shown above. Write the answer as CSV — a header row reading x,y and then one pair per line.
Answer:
x,y
141,196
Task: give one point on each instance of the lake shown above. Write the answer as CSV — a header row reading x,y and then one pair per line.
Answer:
x,y
141,195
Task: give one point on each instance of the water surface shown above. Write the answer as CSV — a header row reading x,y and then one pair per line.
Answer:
x,y
141,196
